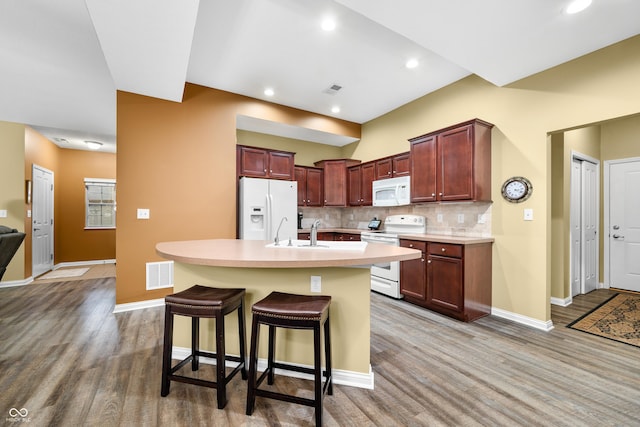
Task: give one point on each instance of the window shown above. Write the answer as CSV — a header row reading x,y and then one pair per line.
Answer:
x,y
100,202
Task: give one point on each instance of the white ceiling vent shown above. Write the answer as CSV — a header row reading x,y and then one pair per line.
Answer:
x,y
333,89
159,275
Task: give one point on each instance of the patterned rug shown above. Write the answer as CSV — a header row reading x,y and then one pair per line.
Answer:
x,y
618,319
69,272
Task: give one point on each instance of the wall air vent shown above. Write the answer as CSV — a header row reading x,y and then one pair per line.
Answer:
x,y
333,89
159,275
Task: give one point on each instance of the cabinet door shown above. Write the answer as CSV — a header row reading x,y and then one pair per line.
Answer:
x,y
366,183
423,162
445,283
347,237
384,168
301,179
280,165
253,162
314,187
354,174
335,183
401,164
455,155
413,278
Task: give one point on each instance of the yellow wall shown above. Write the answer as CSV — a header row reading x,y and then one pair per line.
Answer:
x,y
597,87
621,138
12,189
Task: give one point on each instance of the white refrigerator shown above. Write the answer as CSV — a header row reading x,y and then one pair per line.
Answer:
x,y
263,205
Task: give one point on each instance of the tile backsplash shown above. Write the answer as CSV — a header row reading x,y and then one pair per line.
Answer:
x,y
471,219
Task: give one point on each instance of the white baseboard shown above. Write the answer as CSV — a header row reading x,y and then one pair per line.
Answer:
x,y
12,283
138,305
340,377
524,320
561,302
81,263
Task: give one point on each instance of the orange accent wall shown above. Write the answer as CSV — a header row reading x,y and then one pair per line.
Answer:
x,y
70,167
178,161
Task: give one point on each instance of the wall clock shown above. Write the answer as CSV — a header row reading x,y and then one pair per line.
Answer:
x,y
517,189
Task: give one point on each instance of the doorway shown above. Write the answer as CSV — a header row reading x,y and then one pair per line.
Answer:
x,y
622,223
42,221
584,208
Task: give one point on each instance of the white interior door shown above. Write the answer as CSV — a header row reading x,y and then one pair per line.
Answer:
x,y
584,208
590,242
624,225
42,221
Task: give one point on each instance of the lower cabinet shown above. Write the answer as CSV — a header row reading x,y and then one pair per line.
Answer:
x,y
452,279
330,235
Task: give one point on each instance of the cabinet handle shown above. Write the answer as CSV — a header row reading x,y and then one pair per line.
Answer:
x,y
265,170
433,194
422,260
440,194
429,262
443,249
410,245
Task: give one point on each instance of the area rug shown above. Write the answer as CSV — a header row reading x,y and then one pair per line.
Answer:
x,y
59,274
617,319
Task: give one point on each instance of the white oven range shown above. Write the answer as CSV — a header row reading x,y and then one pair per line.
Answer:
x,y
385,277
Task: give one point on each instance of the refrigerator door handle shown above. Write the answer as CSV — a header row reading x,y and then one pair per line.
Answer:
x,y
269,217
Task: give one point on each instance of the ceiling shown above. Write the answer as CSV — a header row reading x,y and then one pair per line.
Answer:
x,y
62,61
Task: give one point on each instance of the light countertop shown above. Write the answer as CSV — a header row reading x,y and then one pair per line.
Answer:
x,y
255,254
436,238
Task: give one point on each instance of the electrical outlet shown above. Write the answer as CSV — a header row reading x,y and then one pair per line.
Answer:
x,y
316,284
3,213
460,218
439,218
481,219
143,214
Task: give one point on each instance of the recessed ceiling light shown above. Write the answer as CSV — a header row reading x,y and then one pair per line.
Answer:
x,y
335,109
94,145
269,92
577,6
411,63
328,24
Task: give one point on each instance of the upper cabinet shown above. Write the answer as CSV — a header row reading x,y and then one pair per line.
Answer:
x,y
264,163
452,164
360,178
335,180
392,166
310,184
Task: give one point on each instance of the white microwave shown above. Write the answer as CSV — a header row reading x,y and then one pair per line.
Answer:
x,y
392,191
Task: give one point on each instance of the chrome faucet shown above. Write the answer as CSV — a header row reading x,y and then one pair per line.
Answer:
x,y
314,233
276,241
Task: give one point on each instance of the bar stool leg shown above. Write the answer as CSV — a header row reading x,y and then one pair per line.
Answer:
x,y
327,355
195,343
166,350
242,336
270,360
253,365
317,373
220,362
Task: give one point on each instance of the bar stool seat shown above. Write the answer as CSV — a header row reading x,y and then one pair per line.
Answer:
x,y
204,302
282,310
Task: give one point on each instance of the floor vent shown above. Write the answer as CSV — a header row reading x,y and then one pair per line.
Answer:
x,y
159,275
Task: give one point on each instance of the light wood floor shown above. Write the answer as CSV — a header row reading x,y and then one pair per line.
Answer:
x,y
71,362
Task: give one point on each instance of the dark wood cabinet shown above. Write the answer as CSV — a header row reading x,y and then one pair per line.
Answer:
x,y
335,180
310,184
346,237
264,163
455,280
452,164
360,182
413,273
392,166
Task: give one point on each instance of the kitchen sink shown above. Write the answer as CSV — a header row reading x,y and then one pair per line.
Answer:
x,y
322,245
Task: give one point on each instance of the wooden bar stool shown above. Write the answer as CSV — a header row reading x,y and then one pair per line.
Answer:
x,y
196,302
281,310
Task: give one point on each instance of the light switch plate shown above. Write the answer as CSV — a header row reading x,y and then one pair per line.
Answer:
x,y
3,213
528,214
439,218
143,214
460,218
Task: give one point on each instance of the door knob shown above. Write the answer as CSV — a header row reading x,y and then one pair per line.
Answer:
x,y
616,227
617,236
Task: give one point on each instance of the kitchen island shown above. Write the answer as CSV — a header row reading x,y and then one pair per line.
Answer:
x,y
251,264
